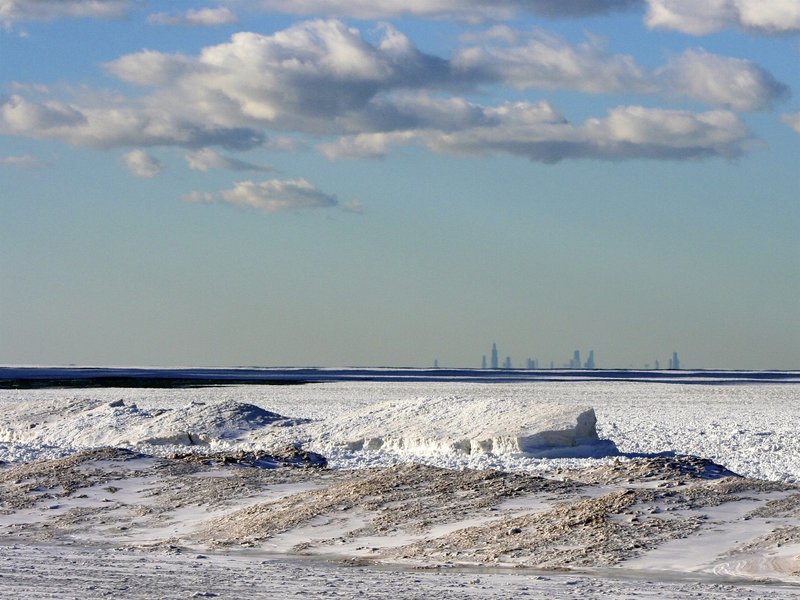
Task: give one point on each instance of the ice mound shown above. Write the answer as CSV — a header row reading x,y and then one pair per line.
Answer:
x,y
124,424
199,423
465,425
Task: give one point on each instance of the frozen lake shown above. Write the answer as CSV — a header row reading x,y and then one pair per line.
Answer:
x,y
749,427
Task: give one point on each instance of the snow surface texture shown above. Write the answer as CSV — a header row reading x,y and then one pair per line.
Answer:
x,y
123,424
420,426
98,573
467,426
749,428
672,517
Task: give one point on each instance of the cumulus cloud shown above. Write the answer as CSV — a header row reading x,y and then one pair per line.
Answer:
x,y
206,159
792,120
695,17
20,115
322,78
722,81
366,145
707,16
465,10
545,61
539,133
316,76
13,11
627,132
23,161
201,17
274,195
124,124
151,68
141,164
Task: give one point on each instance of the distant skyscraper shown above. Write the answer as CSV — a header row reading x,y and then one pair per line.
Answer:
x,y
590,361
436,364
658,366
495,361
575,363
674,362
507,363
483,362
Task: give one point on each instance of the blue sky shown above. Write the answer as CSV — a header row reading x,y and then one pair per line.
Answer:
x,y
334,182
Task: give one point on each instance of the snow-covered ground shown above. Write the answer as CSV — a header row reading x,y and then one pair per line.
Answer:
x,y
33,572
749,428
144,527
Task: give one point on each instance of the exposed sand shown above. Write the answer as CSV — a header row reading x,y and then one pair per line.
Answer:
x,y
116,523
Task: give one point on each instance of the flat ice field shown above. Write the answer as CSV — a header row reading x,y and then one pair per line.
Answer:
x,y
562,488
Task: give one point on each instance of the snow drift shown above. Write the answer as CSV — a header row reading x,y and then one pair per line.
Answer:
x,y
124,424
457,426
472,425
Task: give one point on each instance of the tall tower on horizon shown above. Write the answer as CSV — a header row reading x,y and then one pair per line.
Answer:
x,y
483,362
674,362
589,361
495,361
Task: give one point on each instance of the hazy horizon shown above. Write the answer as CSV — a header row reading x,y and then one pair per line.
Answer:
x,y
337,183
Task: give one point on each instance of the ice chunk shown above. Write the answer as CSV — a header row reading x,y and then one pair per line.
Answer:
x,y
467,425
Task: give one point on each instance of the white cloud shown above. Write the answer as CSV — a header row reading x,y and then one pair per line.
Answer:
x,y
206,158
13,11
274,195
792,120
19,115
121,123
695,17
701,17
770,16
141,164
537,132
151,68
722,81
465,10
203,17
314,76
322,78
669,133
545,61
24,161
366,145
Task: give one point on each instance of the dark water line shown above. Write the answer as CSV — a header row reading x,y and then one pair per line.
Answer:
x,y
115,377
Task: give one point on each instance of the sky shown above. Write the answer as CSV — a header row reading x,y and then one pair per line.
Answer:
x,y
383,183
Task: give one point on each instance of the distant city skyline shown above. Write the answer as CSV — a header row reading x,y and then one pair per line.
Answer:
x,y
572,363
